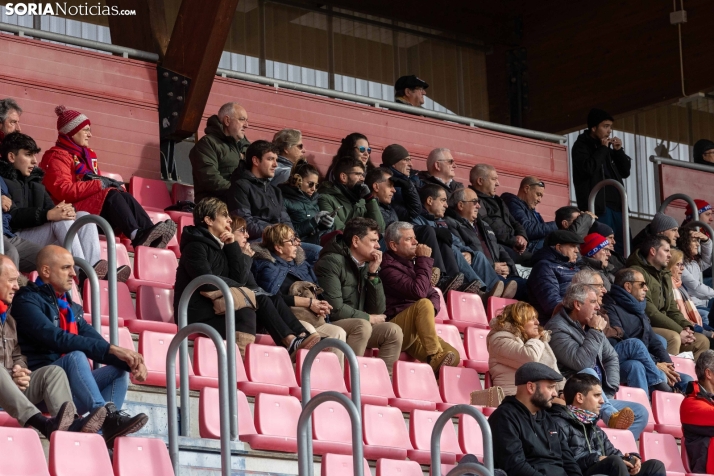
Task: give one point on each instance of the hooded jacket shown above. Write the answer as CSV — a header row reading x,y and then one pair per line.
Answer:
x,y
282,172
303,211
30,198
469,235
697,416
495,212
407,282
271,270
549,279
213,160
529,445
347,206
536,228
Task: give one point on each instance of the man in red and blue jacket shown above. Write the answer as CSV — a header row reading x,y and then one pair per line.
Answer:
x,y
697,416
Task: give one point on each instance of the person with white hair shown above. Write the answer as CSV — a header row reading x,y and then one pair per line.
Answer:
x,y
441,170
10,114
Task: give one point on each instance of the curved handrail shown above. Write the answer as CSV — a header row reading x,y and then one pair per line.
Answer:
x,y
680,163
679,196
625,210
485,430
182,321
223,393
96,310
111,263
305,452
706,226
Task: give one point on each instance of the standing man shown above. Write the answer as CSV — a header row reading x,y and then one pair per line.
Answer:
x,y
9,117
523,208
441,170
410,90
290,150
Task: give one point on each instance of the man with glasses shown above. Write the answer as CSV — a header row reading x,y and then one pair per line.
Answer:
x,y
218,153
523,208
441,170
291,149
410,90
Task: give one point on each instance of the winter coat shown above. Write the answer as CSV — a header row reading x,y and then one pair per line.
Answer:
x,y
346,286
495,212
332,197
62,183
31,202
213,160
282,172
271,270
549,279
257,201
593,163
405,201
697,416
577,349
469,235
692,276
9,345
389,214
608,277
6,217
36,314
507,352
427,219
303,211
536,228
407,282
427,178
529,445
661,307
627,313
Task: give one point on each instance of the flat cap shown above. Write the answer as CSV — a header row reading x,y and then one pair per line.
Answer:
x,y
534,372
411,82
561,237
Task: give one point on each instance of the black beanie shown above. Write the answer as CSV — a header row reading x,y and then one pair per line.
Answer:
x,y
393,154
701,146
596,116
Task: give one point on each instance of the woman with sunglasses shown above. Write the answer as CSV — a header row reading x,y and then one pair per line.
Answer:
x,y
292,151
354,145
300,201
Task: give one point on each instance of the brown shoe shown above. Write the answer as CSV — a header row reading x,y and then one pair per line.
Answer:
x,y
510,290
447,284
622,420
435,276
448,358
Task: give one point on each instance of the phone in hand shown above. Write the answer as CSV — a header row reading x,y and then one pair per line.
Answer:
x,y
334,212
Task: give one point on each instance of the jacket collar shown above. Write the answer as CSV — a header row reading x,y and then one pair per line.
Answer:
x,y
563,313
619,296
403,261
285,161
482,195
262,253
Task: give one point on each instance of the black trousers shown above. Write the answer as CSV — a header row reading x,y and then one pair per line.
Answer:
x,y
245,322
124,213
276,318
615,466
441,252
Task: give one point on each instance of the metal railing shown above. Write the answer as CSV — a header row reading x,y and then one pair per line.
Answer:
x,y
679,196
224,391
182,322
680,163
625,209
111,273
487,468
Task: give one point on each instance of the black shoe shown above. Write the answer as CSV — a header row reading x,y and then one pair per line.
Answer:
x,y
447,283
61,421
474,287
119,423
92,423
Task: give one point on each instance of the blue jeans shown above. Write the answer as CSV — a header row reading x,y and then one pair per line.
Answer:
x,y
522,292
480,268
93,388
637,369
613,218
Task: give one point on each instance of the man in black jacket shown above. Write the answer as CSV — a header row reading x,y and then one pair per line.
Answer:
x,y
526,439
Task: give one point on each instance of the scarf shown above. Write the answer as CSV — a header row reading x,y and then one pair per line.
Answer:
x,y
85,160
3,312
582,415
67,321
686,306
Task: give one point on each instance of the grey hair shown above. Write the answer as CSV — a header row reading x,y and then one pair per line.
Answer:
x,y
625,275
584,276
434,156
7,105
286,138
480,171
227,109
577,293
457,196
705,361
394,231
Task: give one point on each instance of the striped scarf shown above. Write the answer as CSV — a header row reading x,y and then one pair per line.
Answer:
x,y
67,322
85,160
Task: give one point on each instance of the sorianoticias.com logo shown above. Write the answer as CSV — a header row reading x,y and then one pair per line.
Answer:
x,y
61,8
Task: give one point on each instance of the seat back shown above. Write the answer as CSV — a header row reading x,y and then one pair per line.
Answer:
x,y
637,395
457,383
181,192
154,346
277,415
496,305
391,467
326,373
685,366
205,360
331,422
467,307
421,424
443,314
623,440
452,336
125,339
155,304
125,305
184,221
150,192
373,377
470,436
159,216
663,447
269,364
416,381
665,407
78,454
384,426
153,264
26,450
475,344
122,254
209,419
144,456
340,465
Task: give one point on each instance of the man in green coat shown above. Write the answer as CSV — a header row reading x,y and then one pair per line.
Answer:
x,y
347,271
349,197
651,260
219,152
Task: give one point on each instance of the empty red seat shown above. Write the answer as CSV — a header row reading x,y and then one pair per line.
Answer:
x,y
457,383
340,465
466,310
496,305
205,361
390,467
376,386
182,192
637,395
684,366
331,429
153,267
415,387
144,456
154,309
421,424
21,452
665,406
451,335
78,454
125,305
384,433
269,370
443,314
475,343
153,196
209,419
662,447
122,253
276,418
125,339
622,440
326,374
470,436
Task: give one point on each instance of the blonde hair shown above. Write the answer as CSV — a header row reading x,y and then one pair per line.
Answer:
x,y
518,315
237,222
677,255
276,235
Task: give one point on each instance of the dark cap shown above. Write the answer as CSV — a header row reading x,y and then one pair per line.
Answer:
x,y
535,372
393,154
410,82
596,116
601,228
561,237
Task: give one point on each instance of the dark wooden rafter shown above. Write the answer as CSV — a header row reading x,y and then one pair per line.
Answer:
x,y
146,31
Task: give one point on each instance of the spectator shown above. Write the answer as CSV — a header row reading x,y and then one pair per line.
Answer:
x,y
23,253
697,416
511,234
595,254
593,278
553,271
405,201
572,219
219,152
695,261
591,447
440,170
684,302
301,202
348,274
410,90
515,339
348,197
291,150
661,224
72,176
616,261
526,440
52,331
597,157
706,214
411,301
379,181
10,114
703,152
356,146
523,209
651,260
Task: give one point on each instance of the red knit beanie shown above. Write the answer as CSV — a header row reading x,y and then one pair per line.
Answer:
x,y
594,242
70,122
702,206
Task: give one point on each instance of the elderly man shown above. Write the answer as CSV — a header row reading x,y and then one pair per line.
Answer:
x,y
9,117
523,209
595,255
441,170
697,416
218,153
290,149
410,90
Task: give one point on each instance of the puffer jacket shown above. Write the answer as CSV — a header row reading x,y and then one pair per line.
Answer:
x,y
692,276
469,235
30,199
282,172
333,198
549,279
302,210
536,228
507,352
495,212
408,282
697,416
271,270
605,272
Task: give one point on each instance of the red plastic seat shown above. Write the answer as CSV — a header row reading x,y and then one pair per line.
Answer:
x,y
183,222
264,339
376,386
390,467
496,305
125,339
415,387
205,361
451,335
209,420
122,253
466,310
662,447
326,374
340,465
623,440
685,366
7,420
331,429
22,452
159,216
470,436
276,418
475,343
144,456
637,395
421,424
269,370
457,383
443,314
153,195
79,454
125,305
153,267
154,309
181,192
384,433
665,406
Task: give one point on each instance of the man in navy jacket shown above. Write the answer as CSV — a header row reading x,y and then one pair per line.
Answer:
x,y
523,209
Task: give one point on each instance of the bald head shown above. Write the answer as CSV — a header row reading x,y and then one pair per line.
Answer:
x,y
8,279
55,266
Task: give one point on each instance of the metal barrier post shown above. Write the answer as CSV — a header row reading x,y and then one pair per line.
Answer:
x,y
625,209
182,320
223,392
305,463
112,263
679,196
94,290
695,223
485,430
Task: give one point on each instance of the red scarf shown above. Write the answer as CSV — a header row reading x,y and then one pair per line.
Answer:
x,y
85,160
3,312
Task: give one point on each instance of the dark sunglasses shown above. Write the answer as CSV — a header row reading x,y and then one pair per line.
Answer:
x,y
362,149
311,184
299,146
639,283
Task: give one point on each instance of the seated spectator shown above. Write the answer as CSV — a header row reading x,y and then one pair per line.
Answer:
x,y
706,214
572,219
10,114
553,271
651,259
526,440
412,302
291,150
301,203
355,146
405,202
697,416
72,176
219,152
441,170
661,224
379,181
23,253
515,339
703,152
210,247
511,234
616,261
591,447
695,261
348,274
523,209
52,331
592,278
595,255
348,197
684,301
410,90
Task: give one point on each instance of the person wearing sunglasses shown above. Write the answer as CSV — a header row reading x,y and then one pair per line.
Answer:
x,y
300,199
291,151
523,208
354,145
441,170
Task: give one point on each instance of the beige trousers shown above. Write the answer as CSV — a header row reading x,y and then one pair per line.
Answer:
x,y
48,384
674,342
387,337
